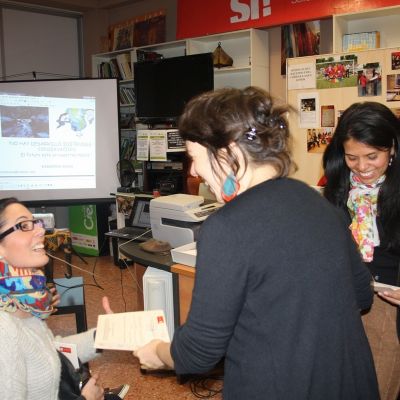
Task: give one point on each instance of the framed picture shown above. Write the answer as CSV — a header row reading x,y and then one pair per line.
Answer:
x,y
123,37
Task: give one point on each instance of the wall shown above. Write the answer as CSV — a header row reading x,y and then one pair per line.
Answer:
x,y
341,96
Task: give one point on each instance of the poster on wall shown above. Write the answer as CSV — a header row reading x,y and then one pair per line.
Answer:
x,y
298,40
328,115
308,104
336,71
301,76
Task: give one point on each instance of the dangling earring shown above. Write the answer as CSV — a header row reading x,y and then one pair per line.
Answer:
x,y
230,188
390,161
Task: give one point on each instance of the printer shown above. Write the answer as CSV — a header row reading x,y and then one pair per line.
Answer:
x,y
177,218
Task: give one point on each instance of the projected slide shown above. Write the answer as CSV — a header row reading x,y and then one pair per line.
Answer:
x,y
47,142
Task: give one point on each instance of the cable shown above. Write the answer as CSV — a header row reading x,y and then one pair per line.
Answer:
x,y
202,387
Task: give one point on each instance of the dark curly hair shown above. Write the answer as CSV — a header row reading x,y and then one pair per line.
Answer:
x,y
250,118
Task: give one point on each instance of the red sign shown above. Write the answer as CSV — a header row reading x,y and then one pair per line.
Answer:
x,y
205,17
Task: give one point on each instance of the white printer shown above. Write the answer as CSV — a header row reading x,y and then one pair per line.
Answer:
x,y
177,218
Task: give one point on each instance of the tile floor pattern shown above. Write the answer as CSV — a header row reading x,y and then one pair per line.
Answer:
x,y
117,367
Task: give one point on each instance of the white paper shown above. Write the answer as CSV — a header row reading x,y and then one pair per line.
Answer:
x,y
130,330
308,106
69,350
301,76
142,146
158,146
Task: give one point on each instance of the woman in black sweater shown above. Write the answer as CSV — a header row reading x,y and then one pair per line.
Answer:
x,y
279,283
362,169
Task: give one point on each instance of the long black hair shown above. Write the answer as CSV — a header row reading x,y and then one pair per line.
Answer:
x,y
375,125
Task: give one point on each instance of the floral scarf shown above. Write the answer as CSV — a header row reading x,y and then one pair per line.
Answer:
x,y
24,289
363,204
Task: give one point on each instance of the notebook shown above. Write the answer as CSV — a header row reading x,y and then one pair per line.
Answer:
x,y
138,226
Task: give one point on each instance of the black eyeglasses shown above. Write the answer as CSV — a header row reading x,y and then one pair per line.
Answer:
x,y
23,226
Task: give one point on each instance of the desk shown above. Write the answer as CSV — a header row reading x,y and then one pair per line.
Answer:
x,y
182,277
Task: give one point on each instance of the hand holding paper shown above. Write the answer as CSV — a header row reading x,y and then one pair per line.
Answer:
x,y
131,330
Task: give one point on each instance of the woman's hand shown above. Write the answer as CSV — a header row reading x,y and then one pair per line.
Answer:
x,y
392,296
92,391
148,356
106,305
55,298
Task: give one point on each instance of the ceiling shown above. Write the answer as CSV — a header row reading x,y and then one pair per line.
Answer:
x,y
75,5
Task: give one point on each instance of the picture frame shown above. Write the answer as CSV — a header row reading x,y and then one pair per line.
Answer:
x,y
123,37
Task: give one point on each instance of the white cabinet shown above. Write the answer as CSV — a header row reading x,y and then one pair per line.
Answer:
x,y
384,20
250,54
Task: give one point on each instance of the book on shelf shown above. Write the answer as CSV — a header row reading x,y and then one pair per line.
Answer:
x,y
127,120
127,148
127,95
124,64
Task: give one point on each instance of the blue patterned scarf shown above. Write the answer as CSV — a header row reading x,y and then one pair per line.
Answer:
x,y
24,289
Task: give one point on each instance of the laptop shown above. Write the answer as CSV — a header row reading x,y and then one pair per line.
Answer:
x,y
138,225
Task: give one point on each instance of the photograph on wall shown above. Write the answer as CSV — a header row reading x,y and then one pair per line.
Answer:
x,y
328,116
334,72
369,79
308,104
298,40
395,56
318,139
393,87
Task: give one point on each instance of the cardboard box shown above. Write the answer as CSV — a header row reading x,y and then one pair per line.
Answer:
x,y
185,254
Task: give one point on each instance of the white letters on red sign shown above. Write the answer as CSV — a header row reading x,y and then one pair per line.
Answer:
x,y
249,11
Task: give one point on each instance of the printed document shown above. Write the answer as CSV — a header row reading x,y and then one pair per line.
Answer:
x,y
130,330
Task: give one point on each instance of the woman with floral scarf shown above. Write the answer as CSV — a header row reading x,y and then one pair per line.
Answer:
x,y
362,168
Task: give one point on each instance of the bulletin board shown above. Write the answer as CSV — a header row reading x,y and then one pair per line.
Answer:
x,y
321,87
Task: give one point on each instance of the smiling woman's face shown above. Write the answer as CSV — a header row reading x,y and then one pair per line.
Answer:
x,y
19,248
366,162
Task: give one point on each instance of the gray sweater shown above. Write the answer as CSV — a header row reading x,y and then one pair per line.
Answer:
x,y
29,364
279,285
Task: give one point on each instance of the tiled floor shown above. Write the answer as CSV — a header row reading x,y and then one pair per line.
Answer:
x,y
116,367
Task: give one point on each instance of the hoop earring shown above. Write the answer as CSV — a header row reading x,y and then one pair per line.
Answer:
x,y
230,188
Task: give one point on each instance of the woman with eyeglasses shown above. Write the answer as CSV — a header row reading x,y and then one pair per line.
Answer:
x,y
279,283
29,364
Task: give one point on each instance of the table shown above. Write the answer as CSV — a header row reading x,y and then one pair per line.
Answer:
x,y
182,277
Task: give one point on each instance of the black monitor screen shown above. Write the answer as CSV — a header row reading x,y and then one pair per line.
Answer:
x,y
164,86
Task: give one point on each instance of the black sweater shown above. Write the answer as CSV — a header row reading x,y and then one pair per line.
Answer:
x,y
279,285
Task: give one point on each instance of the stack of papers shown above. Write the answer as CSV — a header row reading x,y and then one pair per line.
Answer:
x,y
130,330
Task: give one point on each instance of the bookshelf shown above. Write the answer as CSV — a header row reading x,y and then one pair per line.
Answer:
x,y
248,48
